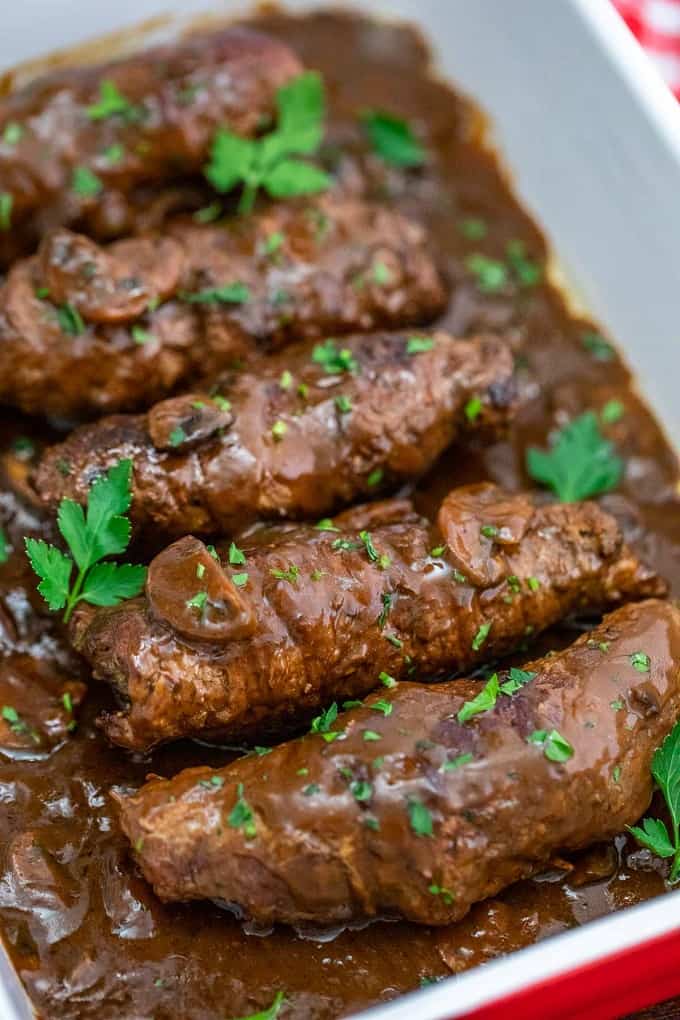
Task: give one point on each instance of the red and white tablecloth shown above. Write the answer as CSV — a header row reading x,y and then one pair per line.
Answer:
x,y
656,25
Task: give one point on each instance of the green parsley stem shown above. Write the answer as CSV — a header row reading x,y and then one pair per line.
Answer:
x,y
74,596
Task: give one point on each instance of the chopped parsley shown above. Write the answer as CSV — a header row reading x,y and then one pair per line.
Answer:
x,y
214,783
279,429
361,790
386,599
240,580
392,139
141,335
229,294
654,834
439,890
209,213
343,403
322,723
4,546
112,103
612,412
325,524
375,478
473,409
371,736
419,344
419,817
382,706
640,661
581,463
177,436
291,574
271,1012
483,702
482,634
12,133
517,678
286,380
267,162
241,815
455,763
236,556
490,274
70,320
527,272
6,203
597,346
473,228
85,183
333,359
386,680
555,747
197,601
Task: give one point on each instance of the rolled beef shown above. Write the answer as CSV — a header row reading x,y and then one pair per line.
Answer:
x,y
298,435
416,808
240,641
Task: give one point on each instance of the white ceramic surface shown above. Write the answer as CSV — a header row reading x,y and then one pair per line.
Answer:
x,y
592,138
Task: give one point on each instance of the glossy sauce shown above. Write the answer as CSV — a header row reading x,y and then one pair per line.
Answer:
x,y
84,931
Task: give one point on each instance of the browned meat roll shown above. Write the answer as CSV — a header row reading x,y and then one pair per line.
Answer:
x,y
79,134
86,328
418,808
302,433
249,640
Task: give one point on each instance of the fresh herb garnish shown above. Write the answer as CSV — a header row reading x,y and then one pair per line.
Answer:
x,y
140,335
361,790
229,294
473,409
12,133
6,203
440,890
291,574
343,403
322,723
612,412
325,524
334,359
214,783
85,183
392,139
102,531
209,213
641,662
266,162
483,702
382,706
111,103
197,601
490,274
279,429
386,599
177,436
241,815
386,680
375,478
371,736
482,634
581,462
555,746
240,580
419,817
236,556
473,228
17,724
271,1013
114,153
654,833
527,272
517,678
70,320
4,547
455,763
597,346
419,344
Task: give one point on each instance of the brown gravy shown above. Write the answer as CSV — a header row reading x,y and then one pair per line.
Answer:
x,y
84,932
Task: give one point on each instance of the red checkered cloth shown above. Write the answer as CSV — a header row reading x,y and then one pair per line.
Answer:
x,y
656,25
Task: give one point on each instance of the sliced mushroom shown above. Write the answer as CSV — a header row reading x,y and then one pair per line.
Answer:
x,y
109,284
188,589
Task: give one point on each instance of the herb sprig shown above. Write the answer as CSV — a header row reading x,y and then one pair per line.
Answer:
x,y
654,834
90,536
581,462
266,162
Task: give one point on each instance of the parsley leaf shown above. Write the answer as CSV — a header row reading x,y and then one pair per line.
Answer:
x,y
517,678
4,546
85,182
392,139
555,746
111,102
483,702
241,815
229,294
580,464
334,359
70,320
654,835
266,162
102,531
6,203
271,1013
419,817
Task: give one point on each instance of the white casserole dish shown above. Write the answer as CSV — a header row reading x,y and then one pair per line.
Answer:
x,y
592,139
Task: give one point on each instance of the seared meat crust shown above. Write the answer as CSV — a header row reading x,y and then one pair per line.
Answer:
x,y
307,616
331,832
